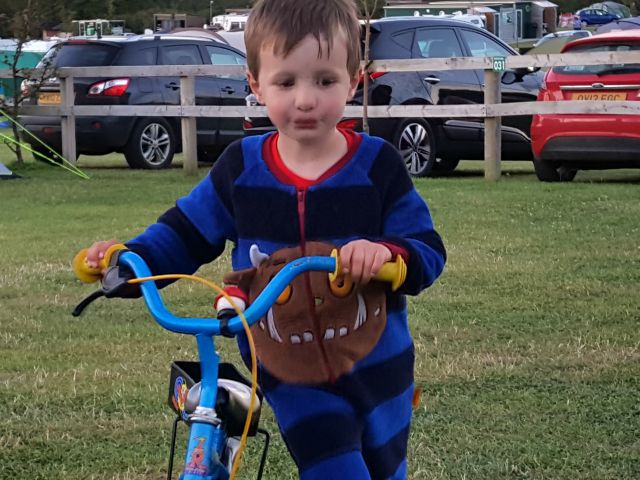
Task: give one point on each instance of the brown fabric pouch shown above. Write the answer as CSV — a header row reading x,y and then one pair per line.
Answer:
x,y
317,330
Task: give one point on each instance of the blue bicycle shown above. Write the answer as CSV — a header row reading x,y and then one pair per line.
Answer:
x,y
219,405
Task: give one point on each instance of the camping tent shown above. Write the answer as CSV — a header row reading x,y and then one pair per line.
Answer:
x,y
5,173
620,24
31,54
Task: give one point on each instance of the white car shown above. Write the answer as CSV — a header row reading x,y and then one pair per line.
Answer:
x,y
573,34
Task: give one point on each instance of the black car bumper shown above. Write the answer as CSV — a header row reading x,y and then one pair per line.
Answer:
x,y
593,152
94,135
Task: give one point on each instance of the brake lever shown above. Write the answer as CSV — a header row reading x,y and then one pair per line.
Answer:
x,y
114,283
86,301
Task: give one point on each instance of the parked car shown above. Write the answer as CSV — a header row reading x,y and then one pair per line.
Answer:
x,y
595,16
565,143
147,142
569,35
436,145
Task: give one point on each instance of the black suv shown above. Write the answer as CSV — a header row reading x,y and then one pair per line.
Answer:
x,y
437,144
147,142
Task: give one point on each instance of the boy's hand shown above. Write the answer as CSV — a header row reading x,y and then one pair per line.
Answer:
x,y
96,252
362,259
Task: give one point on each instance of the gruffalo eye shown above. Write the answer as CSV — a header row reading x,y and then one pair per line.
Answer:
x,y
284,296
341,286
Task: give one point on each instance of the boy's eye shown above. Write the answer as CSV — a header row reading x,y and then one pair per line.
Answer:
x,y
285,83
325,82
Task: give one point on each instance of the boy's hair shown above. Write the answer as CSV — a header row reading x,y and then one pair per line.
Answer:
x,y
285,23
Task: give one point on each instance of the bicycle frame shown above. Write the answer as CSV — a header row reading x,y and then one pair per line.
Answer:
x,y
206,437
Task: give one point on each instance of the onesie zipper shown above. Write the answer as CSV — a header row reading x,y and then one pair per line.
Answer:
x,y
301,200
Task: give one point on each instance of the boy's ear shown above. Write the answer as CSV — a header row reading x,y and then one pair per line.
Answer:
x,y
353,84
254,85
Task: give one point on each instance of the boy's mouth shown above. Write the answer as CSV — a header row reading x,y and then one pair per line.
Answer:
x,y
305,123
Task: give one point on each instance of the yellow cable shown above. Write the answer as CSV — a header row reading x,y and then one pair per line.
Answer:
x,y
252,348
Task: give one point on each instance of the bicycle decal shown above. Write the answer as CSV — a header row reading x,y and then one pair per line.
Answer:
x,y
180,389
196,465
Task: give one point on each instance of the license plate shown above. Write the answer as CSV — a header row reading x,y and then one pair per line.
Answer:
x,y
606,96
48,98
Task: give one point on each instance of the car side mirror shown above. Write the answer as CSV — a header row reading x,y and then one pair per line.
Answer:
x,y
510,77
516,74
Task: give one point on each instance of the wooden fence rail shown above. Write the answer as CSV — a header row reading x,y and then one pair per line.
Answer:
x,y
492,110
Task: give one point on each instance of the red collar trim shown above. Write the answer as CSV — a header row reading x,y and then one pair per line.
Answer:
x,y
274,162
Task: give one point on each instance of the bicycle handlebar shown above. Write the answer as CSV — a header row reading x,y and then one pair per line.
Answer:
x,y
393,272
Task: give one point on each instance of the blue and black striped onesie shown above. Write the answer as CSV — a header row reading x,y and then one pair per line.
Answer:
x,y
357,426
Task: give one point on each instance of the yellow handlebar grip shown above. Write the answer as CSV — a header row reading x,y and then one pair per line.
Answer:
x,y
104,263
336,273
392,272
89,274
82,270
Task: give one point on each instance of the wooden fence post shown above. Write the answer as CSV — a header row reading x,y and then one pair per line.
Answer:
x,y
68,120
492,127
189,132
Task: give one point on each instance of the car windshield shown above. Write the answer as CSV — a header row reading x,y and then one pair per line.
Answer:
x,y
604,69
80,55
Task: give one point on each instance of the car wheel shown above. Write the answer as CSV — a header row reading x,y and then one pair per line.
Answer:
x,y
152,145
416,143
444,166
49,152
550,172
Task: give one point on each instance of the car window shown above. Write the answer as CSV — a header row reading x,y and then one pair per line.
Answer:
x,y
404,39
619,68
83,55
222,56
436,43
181,55
143,56
482,46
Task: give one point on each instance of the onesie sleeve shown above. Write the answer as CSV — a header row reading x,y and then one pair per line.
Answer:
x,y
407,222
196,229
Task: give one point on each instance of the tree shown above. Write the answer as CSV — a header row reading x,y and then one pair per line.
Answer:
x,y
367,9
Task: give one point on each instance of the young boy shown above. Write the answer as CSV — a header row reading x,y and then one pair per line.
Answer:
x,y
342,415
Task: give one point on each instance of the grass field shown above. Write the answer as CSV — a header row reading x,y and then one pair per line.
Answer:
x,y
527,347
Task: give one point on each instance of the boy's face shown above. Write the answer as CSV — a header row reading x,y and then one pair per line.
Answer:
x,y
305,95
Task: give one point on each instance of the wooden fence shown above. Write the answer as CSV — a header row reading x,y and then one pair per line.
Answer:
x,y
492,110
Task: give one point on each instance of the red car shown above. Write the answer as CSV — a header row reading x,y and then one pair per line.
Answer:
x,y
564,143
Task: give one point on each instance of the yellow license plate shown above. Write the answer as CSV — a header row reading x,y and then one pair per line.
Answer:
x,y
48,98
606,96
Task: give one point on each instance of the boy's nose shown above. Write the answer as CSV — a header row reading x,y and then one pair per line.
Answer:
x,y
305,99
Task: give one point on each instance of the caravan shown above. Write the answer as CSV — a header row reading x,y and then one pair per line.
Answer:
x,y
230,22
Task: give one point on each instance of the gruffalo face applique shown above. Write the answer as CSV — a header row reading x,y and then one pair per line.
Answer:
x,y
317,329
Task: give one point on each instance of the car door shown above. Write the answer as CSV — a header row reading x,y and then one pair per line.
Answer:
x,y
585,16
206,88
448,87
148,90
515,129
232,89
